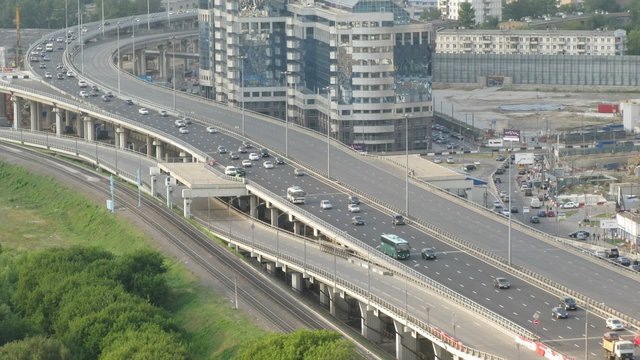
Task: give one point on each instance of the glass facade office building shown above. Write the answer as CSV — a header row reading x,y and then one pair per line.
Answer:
x,y
360,70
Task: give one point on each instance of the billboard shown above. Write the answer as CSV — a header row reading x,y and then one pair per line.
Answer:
x,y
609,224
524,158
511,135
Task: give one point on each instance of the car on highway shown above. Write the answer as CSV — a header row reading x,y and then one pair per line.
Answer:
x,y
129,102
501,283
268,165
437,160
143,111
183,130
326,204
428,253
298,172
240,172
353,199
279,161
242,150
163,113
534,219
84,94
109,94
264,153
247,163
105,98
397,219
254,157
234,156
559,313
71,74
568,303
42,66
497,204
247,145
212,130
499,171
500,158
187,120
230,170
222,150
357,220
353,208
82,84
569,205
48,75
614,324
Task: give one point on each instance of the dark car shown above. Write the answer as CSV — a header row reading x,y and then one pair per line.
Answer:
x,y
534,220
500,158
501,283
354,200
240,172
514,209
129,102
568,303
623,260
428,253
357,220
264,153
397,219
234,156
279,161
542,213
613,253
499,171
559,313
580,235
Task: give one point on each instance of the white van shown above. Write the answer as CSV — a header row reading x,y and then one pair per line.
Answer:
x,y
230,170
535,203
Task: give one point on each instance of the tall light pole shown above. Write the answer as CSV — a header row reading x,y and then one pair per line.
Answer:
x,y
242,57
173,66
148,17
328,132
102,2
80,36
406,170
286,115
586,331
133,36
66,24
118,63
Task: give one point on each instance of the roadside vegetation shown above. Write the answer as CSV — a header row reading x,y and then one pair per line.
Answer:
x,y
78,283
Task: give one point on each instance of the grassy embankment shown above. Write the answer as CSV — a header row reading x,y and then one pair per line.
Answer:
x,y
37,213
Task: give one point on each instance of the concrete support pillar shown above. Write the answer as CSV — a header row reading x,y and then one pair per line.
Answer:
x,y
187,208
143,62
3,107
67,118
406,342
80,125
148,146
325,299
48,117
297,227
372,326
90,128
162,53
33,114
271,267
275,216
316,232
154,178
17,114
59,125
158,145
296,281
339,307
184,156
121,137
253,206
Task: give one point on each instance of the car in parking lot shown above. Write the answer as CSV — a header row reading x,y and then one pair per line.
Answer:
x,y
580,235
450,160
614,324
397,219
534,219
353,208
247,163
325,204
254,157
542,213
568,303
268,165
437,160
211,130
623,260
501,283
357,220
183,130
428,253
234,156
559,313
569,205
143,111
298,172
514,209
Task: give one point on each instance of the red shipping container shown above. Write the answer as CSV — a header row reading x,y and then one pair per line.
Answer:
x,y
608,108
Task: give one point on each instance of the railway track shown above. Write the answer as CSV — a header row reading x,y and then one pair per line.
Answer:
x,y
215,259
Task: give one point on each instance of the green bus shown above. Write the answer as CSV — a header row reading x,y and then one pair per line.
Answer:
x,y
395,246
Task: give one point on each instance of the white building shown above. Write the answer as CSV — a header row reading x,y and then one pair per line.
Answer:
x,y
484,9
529,42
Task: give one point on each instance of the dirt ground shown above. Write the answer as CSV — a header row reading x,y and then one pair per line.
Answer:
x,y
481,108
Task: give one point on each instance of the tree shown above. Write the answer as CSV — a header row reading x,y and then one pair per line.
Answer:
x,y
492,22
466,15
142,274
37,347
300,345
430,14
12,326
633,42
532,8
605,5
148,342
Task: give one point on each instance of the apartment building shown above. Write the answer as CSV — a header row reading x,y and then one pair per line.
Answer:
x,y
356,70
484,9
531,42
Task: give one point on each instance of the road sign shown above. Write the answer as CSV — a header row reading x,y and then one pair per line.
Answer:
x,y
608,224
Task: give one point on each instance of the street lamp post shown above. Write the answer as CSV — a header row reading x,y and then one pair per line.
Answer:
x,y
133,36
509,181
286,115
406,172
148,17
328,132
173,66
242,89
102,5
118,46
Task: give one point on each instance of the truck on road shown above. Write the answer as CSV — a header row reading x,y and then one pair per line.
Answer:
x,y
615,348
296,195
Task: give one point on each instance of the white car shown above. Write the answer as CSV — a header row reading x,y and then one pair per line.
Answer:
x,y
163,113
143,111
254,157
437,160
353,208
230,170
48,75
247,163
325,204
179,123
569,205
183,130
82,84
71,74
212,130
84,94
614,324
267,165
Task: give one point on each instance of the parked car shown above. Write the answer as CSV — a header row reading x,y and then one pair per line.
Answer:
x,y
450,160
499,171
559,313
580,235
569,205
542,213
500,158
437,160
501,283
623,260
428,253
